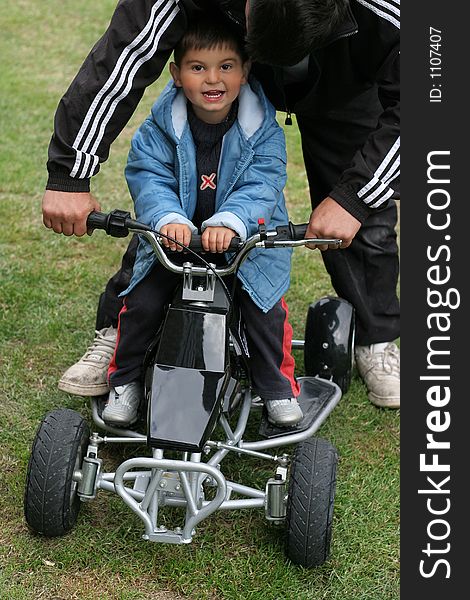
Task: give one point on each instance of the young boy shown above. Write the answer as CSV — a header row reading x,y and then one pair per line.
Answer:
x,y
212,158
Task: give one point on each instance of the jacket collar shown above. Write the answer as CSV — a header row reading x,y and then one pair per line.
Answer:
x,y
347,27
251,110
235,10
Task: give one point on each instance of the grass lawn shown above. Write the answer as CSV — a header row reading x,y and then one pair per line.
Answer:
x,y
48,295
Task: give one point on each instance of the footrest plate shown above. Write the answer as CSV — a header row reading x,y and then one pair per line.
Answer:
x,y
315,395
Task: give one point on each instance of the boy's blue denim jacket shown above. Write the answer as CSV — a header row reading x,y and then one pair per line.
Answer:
x,y
162,179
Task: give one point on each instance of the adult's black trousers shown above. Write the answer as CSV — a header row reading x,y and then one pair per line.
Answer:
x,y
365,273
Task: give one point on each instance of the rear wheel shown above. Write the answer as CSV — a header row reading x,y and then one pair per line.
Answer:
x,y
51,504
329,341
310,502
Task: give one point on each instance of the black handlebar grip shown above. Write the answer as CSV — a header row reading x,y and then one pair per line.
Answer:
x,y
97,220
290,232
298,232
115,223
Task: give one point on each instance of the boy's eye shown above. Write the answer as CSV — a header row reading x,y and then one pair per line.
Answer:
x,y
226,67
197,68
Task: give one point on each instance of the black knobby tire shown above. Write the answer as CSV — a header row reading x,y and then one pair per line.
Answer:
x,y
310,502
51,504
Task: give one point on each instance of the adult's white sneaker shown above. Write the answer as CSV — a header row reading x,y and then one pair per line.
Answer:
x,y
379,367
88,376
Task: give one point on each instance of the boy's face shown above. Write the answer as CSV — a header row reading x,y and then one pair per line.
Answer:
x,y
211,81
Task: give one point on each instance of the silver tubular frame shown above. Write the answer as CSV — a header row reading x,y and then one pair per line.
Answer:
x,y
158,468
158,481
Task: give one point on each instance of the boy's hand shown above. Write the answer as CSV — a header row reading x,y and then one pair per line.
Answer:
x,y
178,231
217,239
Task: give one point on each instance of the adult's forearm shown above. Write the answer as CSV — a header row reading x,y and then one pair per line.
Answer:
x,y
109,85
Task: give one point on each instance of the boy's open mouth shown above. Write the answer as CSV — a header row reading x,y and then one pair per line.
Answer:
x,y
213,95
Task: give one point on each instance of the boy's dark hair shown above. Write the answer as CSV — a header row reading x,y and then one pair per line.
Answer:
x,y
283,32
207,31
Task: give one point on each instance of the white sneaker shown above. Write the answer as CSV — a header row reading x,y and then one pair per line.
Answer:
x,y
379,367
123,404
285,412
88,377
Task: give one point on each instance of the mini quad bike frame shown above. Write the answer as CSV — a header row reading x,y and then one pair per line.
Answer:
x,y
195,386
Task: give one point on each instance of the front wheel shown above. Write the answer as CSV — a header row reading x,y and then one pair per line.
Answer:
x,y
51,504
310,502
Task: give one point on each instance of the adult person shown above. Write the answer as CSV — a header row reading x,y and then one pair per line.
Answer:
x,y
335,64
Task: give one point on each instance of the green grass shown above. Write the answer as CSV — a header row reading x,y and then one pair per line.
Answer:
x,y
48,293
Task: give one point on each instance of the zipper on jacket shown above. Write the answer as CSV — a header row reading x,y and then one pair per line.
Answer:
x,y
353,29
340,37
279,81
235,19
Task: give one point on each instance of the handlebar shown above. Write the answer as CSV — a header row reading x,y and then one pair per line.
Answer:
x,y
119,223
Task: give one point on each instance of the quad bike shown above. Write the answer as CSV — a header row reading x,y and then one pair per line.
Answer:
x,y
197,385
